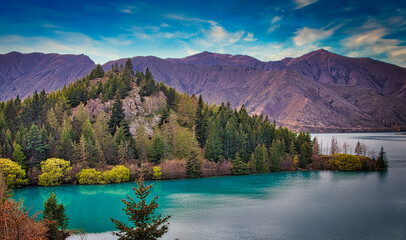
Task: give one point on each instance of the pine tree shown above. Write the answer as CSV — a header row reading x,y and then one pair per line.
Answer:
x,y
276,154
57,219
305,155
158,150
238,166
259,159
201,123
82,151
147,226
214,145
117,115
381,162
193,165
18,155
34,146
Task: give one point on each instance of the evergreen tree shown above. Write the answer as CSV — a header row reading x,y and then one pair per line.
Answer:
x,y
65,149
214,145
147,226
117,115
276,153
57,219
259,159
97,72
193,165
201,123
82,150
34,147
305,155
238,166
129,66
381,162
18,155
158,150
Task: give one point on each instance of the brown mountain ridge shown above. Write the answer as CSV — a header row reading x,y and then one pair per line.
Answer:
x,y
319,91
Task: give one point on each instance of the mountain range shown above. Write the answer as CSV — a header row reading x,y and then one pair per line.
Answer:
x,y
319,91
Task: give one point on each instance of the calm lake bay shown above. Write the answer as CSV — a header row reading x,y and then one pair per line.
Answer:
x,y
285,205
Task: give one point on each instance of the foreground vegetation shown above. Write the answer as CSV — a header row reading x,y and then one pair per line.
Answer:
x,y
59,138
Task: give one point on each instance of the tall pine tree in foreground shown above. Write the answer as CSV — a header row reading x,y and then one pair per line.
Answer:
x,y
147,226
57,221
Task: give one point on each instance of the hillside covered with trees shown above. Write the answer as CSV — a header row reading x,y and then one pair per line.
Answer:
x,y
117,125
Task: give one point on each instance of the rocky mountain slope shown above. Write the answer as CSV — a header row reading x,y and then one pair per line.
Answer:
x,y
319,91
21,74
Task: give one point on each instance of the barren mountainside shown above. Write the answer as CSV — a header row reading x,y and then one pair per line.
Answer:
x,y
21,74
319,91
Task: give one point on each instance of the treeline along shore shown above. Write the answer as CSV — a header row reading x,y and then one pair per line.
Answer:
x,y
115,126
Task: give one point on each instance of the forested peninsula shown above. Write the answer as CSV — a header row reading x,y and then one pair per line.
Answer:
x,y
115,126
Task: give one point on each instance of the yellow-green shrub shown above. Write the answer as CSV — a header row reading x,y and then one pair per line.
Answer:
x,y
118,174
13,173
347,162
54,172
157,173
90,176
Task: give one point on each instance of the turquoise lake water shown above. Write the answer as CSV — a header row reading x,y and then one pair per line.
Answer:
x,y
287,205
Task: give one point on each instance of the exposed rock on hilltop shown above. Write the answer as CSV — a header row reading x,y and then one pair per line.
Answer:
x,y
21,74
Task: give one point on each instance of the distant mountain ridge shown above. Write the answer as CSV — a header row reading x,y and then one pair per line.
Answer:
x,y
319,91
21,74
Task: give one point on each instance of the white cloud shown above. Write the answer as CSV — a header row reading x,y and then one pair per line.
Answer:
x,y
63,43
307,35
154,33
249,37
128,9
303,3
277,51
51,26
275,19
121,40
274,26
187,19
372,43
191,51
217,36
164,24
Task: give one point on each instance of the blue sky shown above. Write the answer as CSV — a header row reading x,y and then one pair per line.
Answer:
x,y
267,30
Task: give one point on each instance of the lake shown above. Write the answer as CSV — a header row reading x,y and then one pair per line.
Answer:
x,y
286,205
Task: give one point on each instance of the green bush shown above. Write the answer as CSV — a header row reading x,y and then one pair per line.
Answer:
x,y
13,173
157,173
90,176
117,175
347,162
54,172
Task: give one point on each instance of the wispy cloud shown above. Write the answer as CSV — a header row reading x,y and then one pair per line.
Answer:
x,y
274,24
67,43
275,19
304,3
51,26
373,43
218,36
307,35
249,37
183,18
128,9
